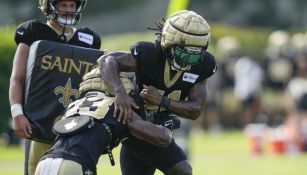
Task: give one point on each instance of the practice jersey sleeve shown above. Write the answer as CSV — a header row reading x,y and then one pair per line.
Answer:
x,y
24,34
137,51
97,40
210,65
147,55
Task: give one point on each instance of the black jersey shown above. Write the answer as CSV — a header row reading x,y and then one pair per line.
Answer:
x,y
137,156
33,30
86,146
155,70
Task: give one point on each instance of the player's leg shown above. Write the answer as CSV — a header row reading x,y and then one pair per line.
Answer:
x,y
34,152
183,168
170,160
69,167
149,132
49,165
132,166
58,166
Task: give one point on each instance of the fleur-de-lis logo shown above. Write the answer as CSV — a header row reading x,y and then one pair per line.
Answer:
x,y
67,92
88,172
70,125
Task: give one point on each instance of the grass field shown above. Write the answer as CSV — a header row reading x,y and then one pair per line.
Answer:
x,y
224,154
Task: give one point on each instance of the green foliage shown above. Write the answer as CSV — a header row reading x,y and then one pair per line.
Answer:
x,y
7,50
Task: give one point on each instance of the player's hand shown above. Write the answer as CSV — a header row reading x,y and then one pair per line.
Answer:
x,y
22,126
123,105
150,95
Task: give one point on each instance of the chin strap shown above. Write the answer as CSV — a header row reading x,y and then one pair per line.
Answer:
x,y
176,66
63,36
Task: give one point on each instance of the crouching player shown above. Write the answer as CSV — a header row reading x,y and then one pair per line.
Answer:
x,y
89,130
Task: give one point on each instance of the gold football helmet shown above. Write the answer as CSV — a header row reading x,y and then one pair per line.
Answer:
x,y
185,37
92,81
50,10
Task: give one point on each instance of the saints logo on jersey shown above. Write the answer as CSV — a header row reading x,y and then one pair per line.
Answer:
x,y
67,92
88,172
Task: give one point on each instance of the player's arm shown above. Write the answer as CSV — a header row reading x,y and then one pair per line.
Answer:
x,y
17,81
110,65
154,134
189,109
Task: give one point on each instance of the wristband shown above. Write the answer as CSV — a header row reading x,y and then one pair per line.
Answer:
x,y
165,102
16,110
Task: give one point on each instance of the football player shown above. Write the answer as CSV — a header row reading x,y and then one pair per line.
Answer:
x,y
171,76
89,130
62,16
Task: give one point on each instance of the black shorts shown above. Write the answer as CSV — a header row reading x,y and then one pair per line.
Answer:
x,y
142,158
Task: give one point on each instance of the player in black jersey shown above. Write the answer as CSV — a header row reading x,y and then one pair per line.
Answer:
x,y
171,76
61,15
76,151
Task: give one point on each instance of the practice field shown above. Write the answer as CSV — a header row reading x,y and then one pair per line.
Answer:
x,y
224,154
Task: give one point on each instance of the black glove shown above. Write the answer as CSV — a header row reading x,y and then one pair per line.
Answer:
x,y
170,121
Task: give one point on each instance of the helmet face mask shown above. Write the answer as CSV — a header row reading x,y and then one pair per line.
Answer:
x,y
185,38
189,55
182,57
51,10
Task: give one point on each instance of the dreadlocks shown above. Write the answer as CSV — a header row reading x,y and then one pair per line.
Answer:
x,y
158,28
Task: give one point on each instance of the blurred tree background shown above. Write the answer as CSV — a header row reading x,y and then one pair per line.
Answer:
x,y
281,14
251,21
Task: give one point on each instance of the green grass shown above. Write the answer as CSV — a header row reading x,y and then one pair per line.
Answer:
x,y
225,154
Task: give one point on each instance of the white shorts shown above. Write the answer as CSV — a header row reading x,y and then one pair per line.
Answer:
x,y
58,166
